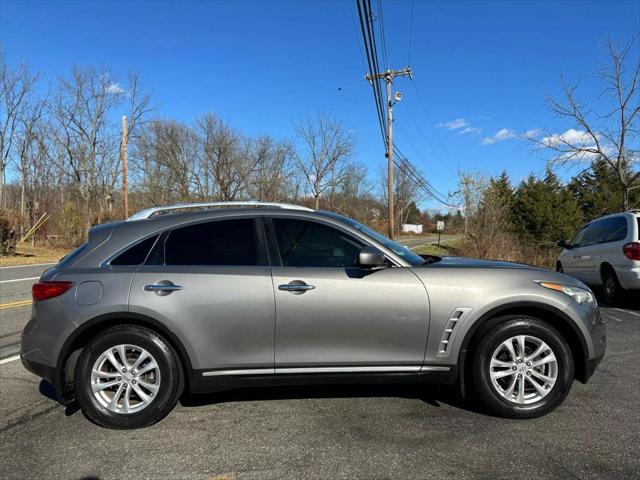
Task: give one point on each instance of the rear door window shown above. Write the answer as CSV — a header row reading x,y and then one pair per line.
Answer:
x,y
223,242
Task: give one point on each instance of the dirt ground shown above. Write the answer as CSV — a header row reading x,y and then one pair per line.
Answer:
x,y
28,255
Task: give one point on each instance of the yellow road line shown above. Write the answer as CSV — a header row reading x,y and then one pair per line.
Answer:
x,y
21,303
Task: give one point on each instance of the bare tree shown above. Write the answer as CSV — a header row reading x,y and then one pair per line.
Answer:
x,y
325,147
274,175
30,151
16,86
86,114
610,136
405,193
165,152
228,159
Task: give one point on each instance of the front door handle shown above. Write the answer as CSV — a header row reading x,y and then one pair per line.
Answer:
x,y
296,287
163,287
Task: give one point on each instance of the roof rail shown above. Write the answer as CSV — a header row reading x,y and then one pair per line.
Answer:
x,y
149,212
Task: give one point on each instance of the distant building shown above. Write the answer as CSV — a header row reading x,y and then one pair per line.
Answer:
x,y
411,228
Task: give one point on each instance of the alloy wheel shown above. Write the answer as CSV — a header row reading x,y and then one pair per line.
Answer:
x,y
523,369
125,379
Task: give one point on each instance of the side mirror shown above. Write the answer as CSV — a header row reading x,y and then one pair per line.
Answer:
x,y
563,244
370,257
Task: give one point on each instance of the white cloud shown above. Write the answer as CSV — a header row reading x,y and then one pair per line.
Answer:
x,y
572,136
500,135
472,130
567,142
114,89
454,124
533,133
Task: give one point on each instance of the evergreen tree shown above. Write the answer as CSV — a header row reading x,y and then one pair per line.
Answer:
x,y
598,191
544,210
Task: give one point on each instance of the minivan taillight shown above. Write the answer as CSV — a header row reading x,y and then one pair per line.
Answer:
x,y
632,250
46,290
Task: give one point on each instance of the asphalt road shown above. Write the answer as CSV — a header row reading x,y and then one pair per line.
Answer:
x,y
15,304
370,432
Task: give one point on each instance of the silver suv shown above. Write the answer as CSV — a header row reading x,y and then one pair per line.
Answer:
x,y
605,252
268,294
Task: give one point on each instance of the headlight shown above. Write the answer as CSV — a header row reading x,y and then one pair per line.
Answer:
x,y
579,295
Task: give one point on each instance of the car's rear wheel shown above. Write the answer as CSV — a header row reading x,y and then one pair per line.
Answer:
x,y
523,367
128,377
612,292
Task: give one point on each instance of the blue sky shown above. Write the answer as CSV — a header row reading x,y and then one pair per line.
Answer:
x,y
480,67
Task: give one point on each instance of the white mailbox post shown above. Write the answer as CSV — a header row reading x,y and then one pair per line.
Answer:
x,y
439,228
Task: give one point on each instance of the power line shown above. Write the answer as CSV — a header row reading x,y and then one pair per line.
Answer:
x,y
429,166
410,169
377,97
426,111
431,147
410,34
382,35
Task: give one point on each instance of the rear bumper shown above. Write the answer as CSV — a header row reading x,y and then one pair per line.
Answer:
x,y
41,370
629,277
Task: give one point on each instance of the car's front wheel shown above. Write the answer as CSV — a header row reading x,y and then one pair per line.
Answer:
x,y
128,377
523,367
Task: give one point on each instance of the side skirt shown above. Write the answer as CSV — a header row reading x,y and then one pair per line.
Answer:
x,y
206,381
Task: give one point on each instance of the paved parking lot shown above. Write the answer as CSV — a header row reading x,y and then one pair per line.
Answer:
x,y
372,432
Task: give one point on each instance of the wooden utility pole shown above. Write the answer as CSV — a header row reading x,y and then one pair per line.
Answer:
x,y
125,192
388,77
466,193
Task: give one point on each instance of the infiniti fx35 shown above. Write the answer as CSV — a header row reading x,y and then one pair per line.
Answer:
x,y
268,294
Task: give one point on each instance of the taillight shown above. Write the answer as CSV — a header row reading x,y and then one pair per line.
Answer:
x,y
46,290
632,250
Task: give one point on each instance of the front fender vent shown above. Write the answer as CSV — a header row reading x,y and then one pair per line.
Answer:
x,y
450,329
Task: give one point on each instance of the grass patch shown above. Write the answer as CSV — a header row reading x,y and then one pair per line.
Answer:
x,y
432,249
28,255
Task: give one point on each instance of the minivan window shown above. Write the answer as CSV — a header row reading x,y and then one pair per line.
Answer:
x,y
613,229
223,242
311,244
135,255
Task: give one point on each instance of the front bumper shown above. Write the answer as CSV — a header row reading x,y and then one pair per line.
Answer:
x,y
598,345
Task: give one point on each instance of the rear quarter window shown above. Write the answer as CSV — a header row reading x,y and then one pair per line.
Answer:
x,y
136,254
74,254
614,229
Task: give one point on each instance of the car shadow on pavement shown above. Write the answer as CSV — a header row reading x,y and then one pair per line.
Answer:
x,y
47,390
630,301
433,395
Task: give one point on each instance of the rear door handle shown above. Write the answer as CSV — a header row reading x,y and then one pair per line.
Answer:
x,y
296,286
163,287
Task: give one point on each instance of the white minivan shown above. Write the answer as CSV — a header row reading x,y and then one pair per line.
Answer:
x,y
605,252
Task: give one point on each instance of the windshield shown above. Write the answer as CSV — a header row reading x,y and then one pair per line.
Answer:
x,y
400,250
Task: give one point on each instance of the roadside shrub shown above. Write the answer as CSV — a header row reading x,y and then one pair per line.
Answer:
x,y
71,225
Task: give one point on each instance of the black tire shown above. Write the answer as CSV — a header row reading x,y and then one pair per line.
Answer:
x,y
170,388
559,268
612,292
490,338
